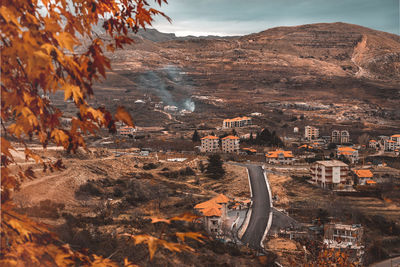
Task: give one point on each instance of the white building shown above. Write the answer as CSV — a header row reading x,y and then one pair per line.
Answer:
x,y
330,173
171,108
230,144
311,133
392,143
340,137
236,122
373,144
345,237
209,144
295,129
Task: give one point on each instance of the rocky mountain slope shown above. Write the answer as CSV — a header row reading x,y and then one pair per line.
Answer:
x,y
283,57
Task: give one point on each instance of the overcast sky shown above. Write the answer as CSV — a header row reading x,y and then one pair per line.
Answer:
x,y
238,17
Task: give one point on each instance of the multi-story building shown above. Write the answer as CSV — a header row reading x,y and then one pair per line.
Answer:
x,y
330,173
311,133
340,137
209,143
347,152
392,143
345,237
230,144
279,157
127,130
236,122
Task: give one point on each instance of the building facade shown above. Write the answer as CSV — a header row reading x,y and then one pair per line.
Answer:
x,y
214,212
209,144
127,131
236,122
392,143
373,144
345,237
330,173
279,157
340,137
364,177
311,133
230,144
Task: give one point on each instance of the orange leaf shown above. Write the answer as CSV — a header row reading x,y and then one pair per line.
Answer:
x,y
124,116
192,235
156,220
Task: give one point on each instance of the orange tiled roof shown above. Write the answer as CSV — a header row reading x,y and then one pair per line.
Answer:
x,y
237,119
231,137
210,137
395,135
370,182
390,141
372,141
275,154
213,211
221,198
346,148
208,204
363,173
305,146
249,149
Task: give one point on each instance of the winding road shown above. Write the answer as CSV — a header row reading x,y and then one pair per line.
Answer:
x,y
261,208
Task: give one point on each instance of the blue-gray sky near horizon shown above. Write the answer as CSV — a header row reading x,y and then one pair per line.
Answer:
x,y
239,17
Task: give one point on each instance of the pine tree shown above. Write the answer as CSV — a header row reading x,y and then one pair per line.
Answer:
x,y
195,136
215,167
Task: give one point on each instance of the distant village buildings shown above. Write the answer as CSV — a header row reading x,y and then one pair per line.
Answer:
x,y
210,144
279,157
171,109
350,153
311,133
127,131
330,173
230,144
340,137
236,122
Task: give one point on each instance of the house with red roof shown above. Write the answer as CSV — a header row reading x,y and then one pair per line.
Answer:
x,y
348,152
364,176
279,157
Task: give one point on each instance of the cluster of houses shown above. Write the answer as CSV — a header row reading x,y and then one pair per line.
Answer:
x,y
388,143
336,137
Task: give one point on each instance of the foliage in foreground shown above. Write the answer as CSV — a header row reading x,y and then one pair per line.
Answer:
x,y
41,53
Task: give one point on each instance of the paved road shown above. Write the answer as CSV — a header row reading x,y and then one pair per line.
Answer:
x,y
260,210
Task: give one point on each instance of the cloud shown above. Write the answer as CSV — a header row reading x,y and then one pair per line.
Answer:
x,y
238,17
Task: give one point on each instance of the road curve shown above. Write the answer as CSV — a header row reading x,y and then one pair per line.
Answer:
x,y
260,209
